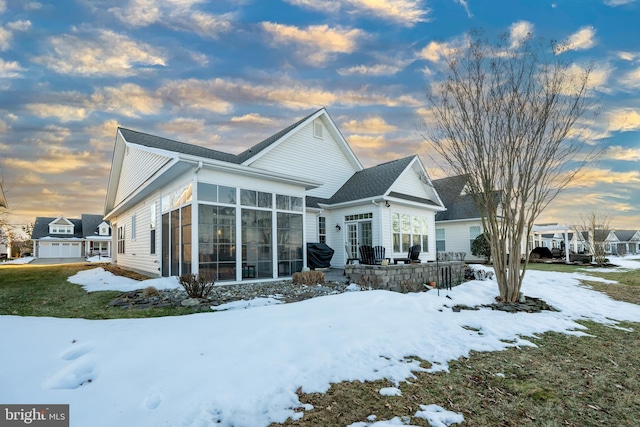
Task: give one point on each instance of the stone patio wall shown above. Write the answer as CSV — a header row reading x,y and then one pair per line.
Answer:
x,y
391,277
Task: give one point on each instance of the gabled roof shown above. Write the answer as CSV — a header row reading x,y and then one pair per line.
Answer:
x,y
84,227
459,206
90,224
625,235
41,228
175,146
371,182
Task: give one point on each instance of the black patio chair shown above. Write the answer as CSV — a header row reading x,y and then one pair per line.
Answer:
x,y
378,254
412,257
366,255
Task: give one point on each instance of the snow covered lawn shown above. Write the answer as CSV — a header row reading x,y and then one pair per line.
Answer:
x,y
243,367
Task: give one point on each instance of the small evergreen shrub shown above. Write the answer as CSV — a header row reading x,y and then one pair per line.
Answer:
x,y
310,277
197,286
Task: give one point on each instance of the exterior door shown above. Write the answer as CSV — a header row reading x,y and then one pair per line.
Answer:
x,y
358,233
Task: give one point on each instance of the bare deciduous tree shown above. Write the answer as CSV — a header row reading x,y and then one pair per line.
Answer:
x,y
506,117
594,227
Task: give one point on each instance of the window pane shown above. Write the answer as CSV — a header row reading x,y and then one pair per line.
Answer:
x,y
296,204
248,198
406,224
282,202
264,200
207,192
396,242
439,233
227,195
396,223
417,225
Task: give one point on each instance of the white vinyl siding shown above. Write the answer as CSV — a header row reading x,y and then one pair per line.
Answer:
x,y
313,158
138,166
458,237
137,255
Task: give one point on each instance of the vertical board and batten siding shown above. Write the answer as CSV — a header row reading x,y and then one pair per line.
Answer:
x,y
306,156
137,166
137,254
457,237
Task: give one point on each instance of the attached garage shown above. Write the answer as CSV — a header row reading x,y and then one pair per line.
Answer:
x,y
60,250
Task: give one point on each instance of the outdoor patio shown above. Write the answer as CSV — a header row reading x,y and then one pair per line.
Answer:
x,y
396,276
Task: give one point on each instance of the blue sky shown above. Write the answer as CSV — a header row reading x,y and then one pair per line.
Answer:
x,y
227,74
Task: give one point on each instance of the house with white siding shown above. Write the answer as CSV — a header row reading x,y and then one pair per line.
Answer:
x,y
64,237
180,208
461,223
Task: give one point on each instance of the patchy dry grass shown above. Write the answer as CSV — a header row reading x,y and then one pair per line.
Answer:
x,y
43,290
564,381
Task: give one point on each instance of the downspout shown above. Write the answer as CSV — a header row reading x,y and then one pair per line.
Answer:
x,y
195,215
380,236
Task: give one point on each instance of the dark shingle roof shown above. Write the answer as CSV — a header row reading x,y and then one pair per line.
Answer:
x,y
90,224
41,228
195,150
625,235
87,226
371,182
458,206
176,146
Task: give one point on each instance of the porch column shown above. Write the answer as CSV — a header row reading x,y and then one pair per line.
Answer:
x,y
566,246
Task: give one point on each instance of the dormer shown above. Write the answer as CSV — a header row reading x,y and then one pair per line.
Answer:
x,y
103,229
61,225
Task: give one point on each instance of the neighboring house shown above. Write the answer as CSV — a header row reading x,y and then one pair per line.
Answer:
x,y
179,208
461,223
71,238
622,242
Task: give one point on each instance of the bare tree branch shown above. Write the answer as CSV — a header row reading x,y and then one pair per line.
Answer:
x,y
504,117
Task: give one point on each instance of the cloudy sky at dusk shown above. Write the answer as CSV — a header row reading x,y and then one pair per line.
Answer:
x,y
227,74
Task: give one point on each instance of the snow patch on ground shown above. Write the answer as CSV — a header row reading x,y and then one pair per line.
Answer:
x,y
243,368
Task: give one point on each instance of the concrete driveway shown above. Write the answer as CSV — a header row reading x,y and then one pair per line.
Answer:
x,y
44,261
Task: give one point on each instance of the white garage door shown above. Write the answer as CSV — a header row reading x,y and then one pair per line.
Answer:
x,y
60,250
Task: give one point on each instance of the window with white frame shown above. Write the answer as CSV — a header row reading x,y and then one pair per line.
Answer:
x,y
441,245
322,229
121,235
409,230
474,231
60,229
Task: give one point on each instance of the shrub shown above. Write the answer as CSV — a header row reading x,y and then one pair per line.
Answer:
x,y
310,277
199,286
369,282
481,247
150,291
410,285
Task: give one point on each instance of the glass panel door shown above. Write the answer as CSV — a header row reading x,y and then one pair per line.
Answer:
x,y
352,239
